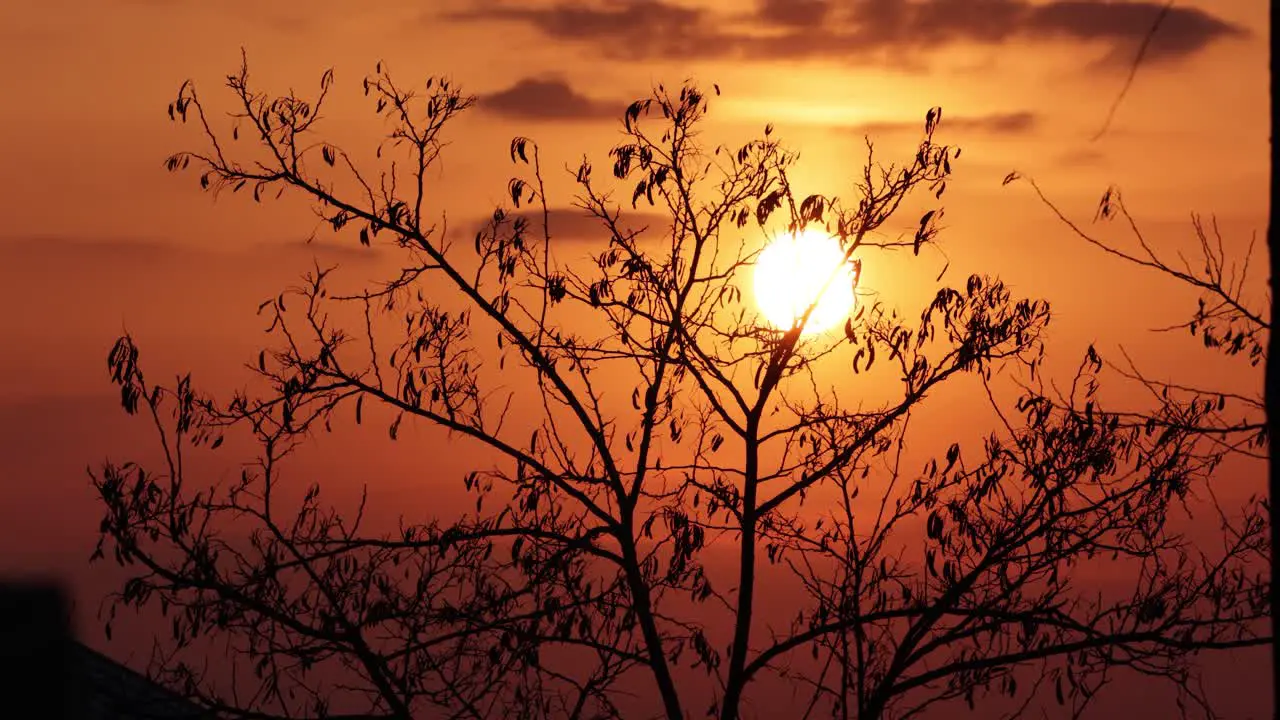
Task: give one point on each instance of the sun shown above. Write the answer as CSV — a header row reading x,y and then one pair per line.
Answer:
x,y
790,273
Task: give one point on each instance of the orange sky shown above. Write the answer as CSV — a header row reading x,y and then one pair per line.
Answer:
x,y
96,237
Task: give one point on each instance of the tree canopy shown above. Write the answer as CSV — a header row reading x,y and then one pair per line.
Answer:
x,y
665,457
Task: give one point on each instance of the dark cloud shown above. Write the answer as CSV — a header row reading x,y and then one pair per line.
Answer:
x,y
72,286
548,99
863,29
630,28
1183,32
80,251
291,22
74,250
1084,157
1011,123
327,247
794,13
574,225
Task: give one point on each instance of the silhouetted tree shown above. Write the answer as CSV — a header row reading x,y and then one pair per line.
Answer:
x,y
1230,315
657,419
1272,385
1271,391
1227,320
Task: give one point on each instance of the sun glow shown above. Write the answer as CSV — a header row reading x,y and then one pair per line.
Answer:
x,y
790,273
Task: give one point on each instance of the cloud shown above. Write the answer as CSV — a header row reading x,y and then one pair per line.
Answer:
x,y
77,250
1010,123
290,22
1183,32
861,30
630,28
69,286
794,13
574,225
1082,157
548,99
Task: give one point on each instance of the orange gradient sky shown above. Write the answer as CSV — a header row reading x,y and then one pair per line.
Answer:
x,y
97,238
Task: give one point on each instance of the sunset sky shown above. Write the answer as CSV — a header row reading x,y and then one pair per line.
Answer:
x,y
97,238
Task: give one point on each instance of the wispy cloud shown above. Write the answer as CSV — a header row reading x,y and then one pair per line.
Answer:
x,y
1082,157
574,225
548,99
859,30
1009,123
118,253
278,17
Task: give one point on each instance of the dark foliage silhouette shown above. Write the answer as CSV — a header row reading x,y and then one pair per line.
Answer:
x,y
585,582
1229,325
1228,319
